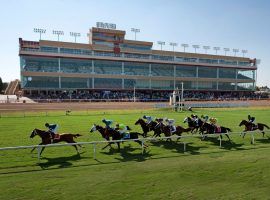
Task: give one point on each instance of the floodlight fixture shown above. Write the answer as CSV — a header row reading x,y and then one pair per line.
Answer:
x,y
57,32
216,49
244,52
235,51
226,50
161,43
185,46
206,48
75,35
135,30
173,44
40,31
195,46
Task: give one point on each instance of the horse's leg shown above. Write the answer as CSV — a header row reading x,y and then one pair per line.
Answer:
x,y
35,147
228,137
42,150
118,144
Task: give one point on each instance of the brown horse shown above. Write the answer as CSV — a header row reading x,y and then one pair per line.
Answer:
x,y
148,127
115,135
250,127
166,129
46,138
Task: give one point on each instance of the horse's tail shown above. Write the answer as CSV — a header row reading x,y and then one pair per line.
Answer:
x,y
128,128
265,126
76,135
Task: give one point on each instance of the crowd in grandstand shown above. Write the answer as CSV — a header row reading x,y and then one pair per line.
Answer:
x,y
147,95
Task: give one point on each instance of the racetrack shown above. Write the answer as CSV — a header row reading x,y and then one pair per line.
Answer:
x,y
106,105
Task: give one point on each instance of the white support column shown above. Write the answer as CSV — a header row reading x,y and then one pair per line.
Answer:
x,y
174,76
59,79
123,83
123,68
93,83
93,67
150,70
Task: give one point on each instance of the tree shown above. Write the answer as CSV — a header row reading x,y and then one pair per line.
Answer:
x,y
1,85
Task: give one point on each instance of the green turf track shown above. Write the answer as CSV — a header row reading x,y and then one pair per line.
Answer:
x,y
237,171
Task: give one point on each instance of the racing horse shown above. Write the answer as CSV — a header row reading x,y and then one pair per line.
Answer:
x,y
193,125
46,138
147,128
250,127
166,129
115,135
210,129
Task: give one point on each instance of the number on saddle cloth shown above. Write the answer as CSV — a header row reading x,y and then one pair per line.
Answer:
x,y
126,136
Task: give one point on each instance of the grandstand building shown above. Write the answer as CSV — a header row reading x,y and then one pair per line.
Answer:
x,y
111,62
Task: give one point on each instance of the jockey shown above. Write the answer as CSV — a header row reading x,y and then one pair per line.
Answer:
x,y
205,118
52,129
149,119
251,120
171,124
122,129
159,121
195,119
108,123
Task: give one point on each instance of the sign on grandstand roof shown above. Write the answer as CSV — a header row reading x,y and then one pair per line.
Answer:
x,y
106,25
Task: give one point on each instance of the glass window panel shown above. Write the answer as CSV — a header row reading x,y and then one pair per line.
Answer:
x,y
140,69
226,86
162,84
76,66
207,72
39,64
185,71
245,86
207,85
108,67
245,74
40,82
67,82
101,83
227,73
162,70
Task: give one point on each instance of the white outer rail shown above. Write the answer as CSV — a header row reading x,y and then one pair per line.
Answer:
x,y
139,139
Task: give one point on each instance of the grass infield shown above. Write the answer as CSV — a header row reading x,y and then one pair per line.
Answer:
x,y
239,170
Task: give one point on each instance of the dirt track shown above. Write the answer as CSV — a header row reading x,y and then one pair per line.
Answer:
x,y
97,105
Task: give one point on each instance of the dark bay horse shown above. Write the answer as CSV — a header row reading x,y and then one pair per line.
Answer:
x,y
166,129
193,125
210,129
46,139
147,128
115,135
250,127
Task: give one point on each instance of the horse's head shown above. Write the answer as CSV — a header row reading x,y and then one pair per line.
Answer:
x,y
93,128
33,133
185,120
243,122
139,121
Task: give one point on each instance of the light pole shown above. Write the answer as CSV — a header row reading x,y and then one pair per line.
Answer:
x,y
58,33
235,51
216,49
184,46
206,48
195,46
135,30
244,52
40,31
173,44
75,35
226,50
161,43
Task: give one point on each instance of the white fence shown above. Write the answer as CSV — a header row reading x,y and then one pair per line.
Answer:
x,y
94,143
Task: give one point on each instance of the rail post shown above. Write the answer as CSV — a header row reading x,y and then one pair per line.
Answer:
x,y
220,141
38,153
142,147
185,147
94,148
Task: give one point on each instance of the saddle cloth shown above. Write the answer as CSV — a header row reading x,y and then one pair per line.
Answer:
x,y
218,129
126,136
57,136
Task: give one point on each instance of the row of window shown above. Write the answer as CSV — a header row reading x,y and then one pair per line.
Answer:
x,y
138,56
40,64
100,83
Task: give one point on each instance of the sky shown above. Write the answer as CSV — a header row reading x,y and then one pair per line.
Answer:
x,y
240,24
